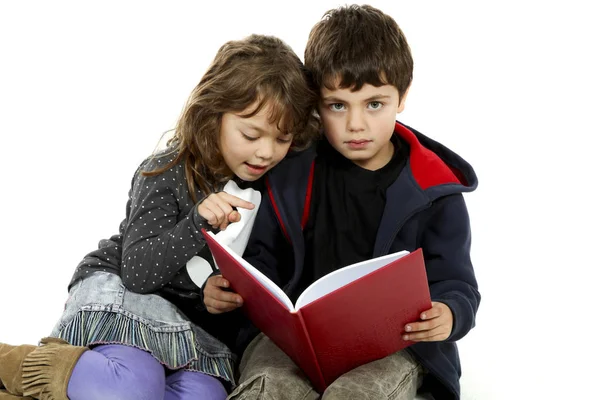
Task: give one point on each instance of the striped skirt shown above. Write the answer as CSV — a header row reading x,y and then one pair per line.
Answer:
x,y
100,310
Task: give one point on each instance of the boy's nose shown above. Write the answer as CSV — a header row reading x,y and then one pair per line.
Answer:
x,y
355,121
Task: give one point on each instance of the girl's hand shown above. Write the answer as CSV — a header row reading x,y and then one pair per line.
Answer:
x,y
436,325
217,299
218,210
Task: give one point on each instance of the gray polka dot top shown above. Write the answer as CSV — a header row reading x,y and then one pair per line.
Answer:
x,y
160,233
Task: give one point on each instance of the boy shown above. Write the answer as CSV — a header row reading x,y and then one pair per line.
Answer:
x,y
373,187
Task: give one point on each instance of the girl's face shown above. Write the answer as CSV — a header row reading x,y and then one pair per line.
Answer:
x,y
252,146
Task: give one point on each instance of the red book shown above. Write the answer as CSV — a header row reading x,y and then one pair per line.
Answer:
x,y
348,318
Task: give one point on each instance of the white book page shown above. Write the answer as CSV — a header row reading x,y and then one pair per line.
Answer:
x,y
266,282
344,276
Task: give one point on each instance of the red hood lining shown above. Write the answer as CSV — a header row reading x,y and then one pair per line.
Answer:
x,y
427,167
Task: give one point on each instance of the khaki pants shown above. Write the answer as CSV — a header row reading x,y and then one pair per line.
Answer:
x,y
267,373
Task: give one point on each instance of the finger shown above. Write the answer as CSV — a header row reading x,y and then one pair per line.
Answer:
x,y
223,304
230,219
435,338
438,333
225,211
234,216
220,213
434,312
215,205
215,294
217,308
224,224
212,213
222,282
217,280
207,214
236,201
423,326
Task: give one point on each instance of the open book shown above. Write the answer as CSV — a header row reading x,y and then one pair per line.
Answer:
x,y
347,318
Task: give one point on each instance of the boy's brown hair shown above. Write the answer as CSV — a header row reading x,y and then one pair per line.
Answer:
x,y
356,45
261,70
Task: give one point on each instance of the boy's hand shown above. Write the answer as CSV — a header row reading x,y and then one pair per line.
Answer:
x,y
218,210
218,300
436,325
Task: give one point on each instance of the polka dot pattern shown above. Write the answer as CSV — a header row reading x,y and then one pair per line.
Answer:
x,y
160,233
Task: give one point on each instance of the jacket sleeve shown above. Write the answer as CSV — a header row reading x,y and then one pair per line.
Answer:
x,y
446,244
157,241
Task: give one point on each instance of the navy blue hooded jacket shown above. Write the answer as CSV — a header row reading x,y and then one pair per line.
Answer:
x,y
424,209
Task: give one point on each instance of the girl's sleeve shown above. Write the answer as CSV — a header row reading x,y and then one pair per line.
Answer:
x,y
155,244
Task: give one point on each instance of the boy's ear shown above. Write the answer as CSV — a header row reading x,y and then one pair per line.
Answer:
x,y
403,100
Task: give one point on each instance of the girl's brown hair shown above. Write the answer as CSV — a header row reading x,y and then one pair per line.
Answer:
x,y
260,70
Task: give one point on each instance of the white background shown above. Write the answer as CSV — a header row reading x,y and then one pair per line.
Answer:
x,y
87,89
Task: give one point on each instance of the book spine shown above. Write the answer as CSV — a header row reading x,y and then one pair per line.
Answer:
x,y
318,379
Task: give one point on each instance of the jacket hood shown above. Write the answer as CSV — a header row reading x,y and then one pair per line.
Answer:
x,y
436,168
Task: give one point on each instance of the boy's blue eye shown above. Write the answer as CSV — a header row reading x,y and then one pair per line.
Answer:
x,y
374,105
336,106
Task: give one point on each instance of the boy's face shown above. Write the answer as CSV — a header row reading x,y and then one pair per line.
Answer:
x,y
359,124
252,146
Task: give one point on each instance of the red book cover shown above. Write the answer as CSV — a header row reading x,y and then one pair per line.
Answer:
x,y
350,317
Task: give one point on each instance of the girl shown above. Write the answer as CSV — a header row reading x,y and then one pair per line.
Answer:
x,y
132,326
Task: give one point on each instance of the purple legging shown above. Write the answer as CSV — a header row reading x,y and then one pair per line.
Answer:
x,y
118,372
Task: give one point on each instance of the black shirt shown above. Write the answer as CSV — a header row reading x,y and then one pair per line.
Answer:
x,y
345,211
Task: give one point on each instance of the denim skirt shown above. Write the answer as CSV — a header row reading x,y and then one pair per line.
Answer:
x,y
100,310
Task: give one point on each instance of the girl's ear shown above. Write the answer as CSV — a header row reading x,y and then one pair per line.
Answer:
x,y
402,101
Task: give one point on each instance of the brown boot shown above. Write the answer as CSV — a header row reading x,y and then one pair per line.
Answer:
x,y
4,395
11,367
44,370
